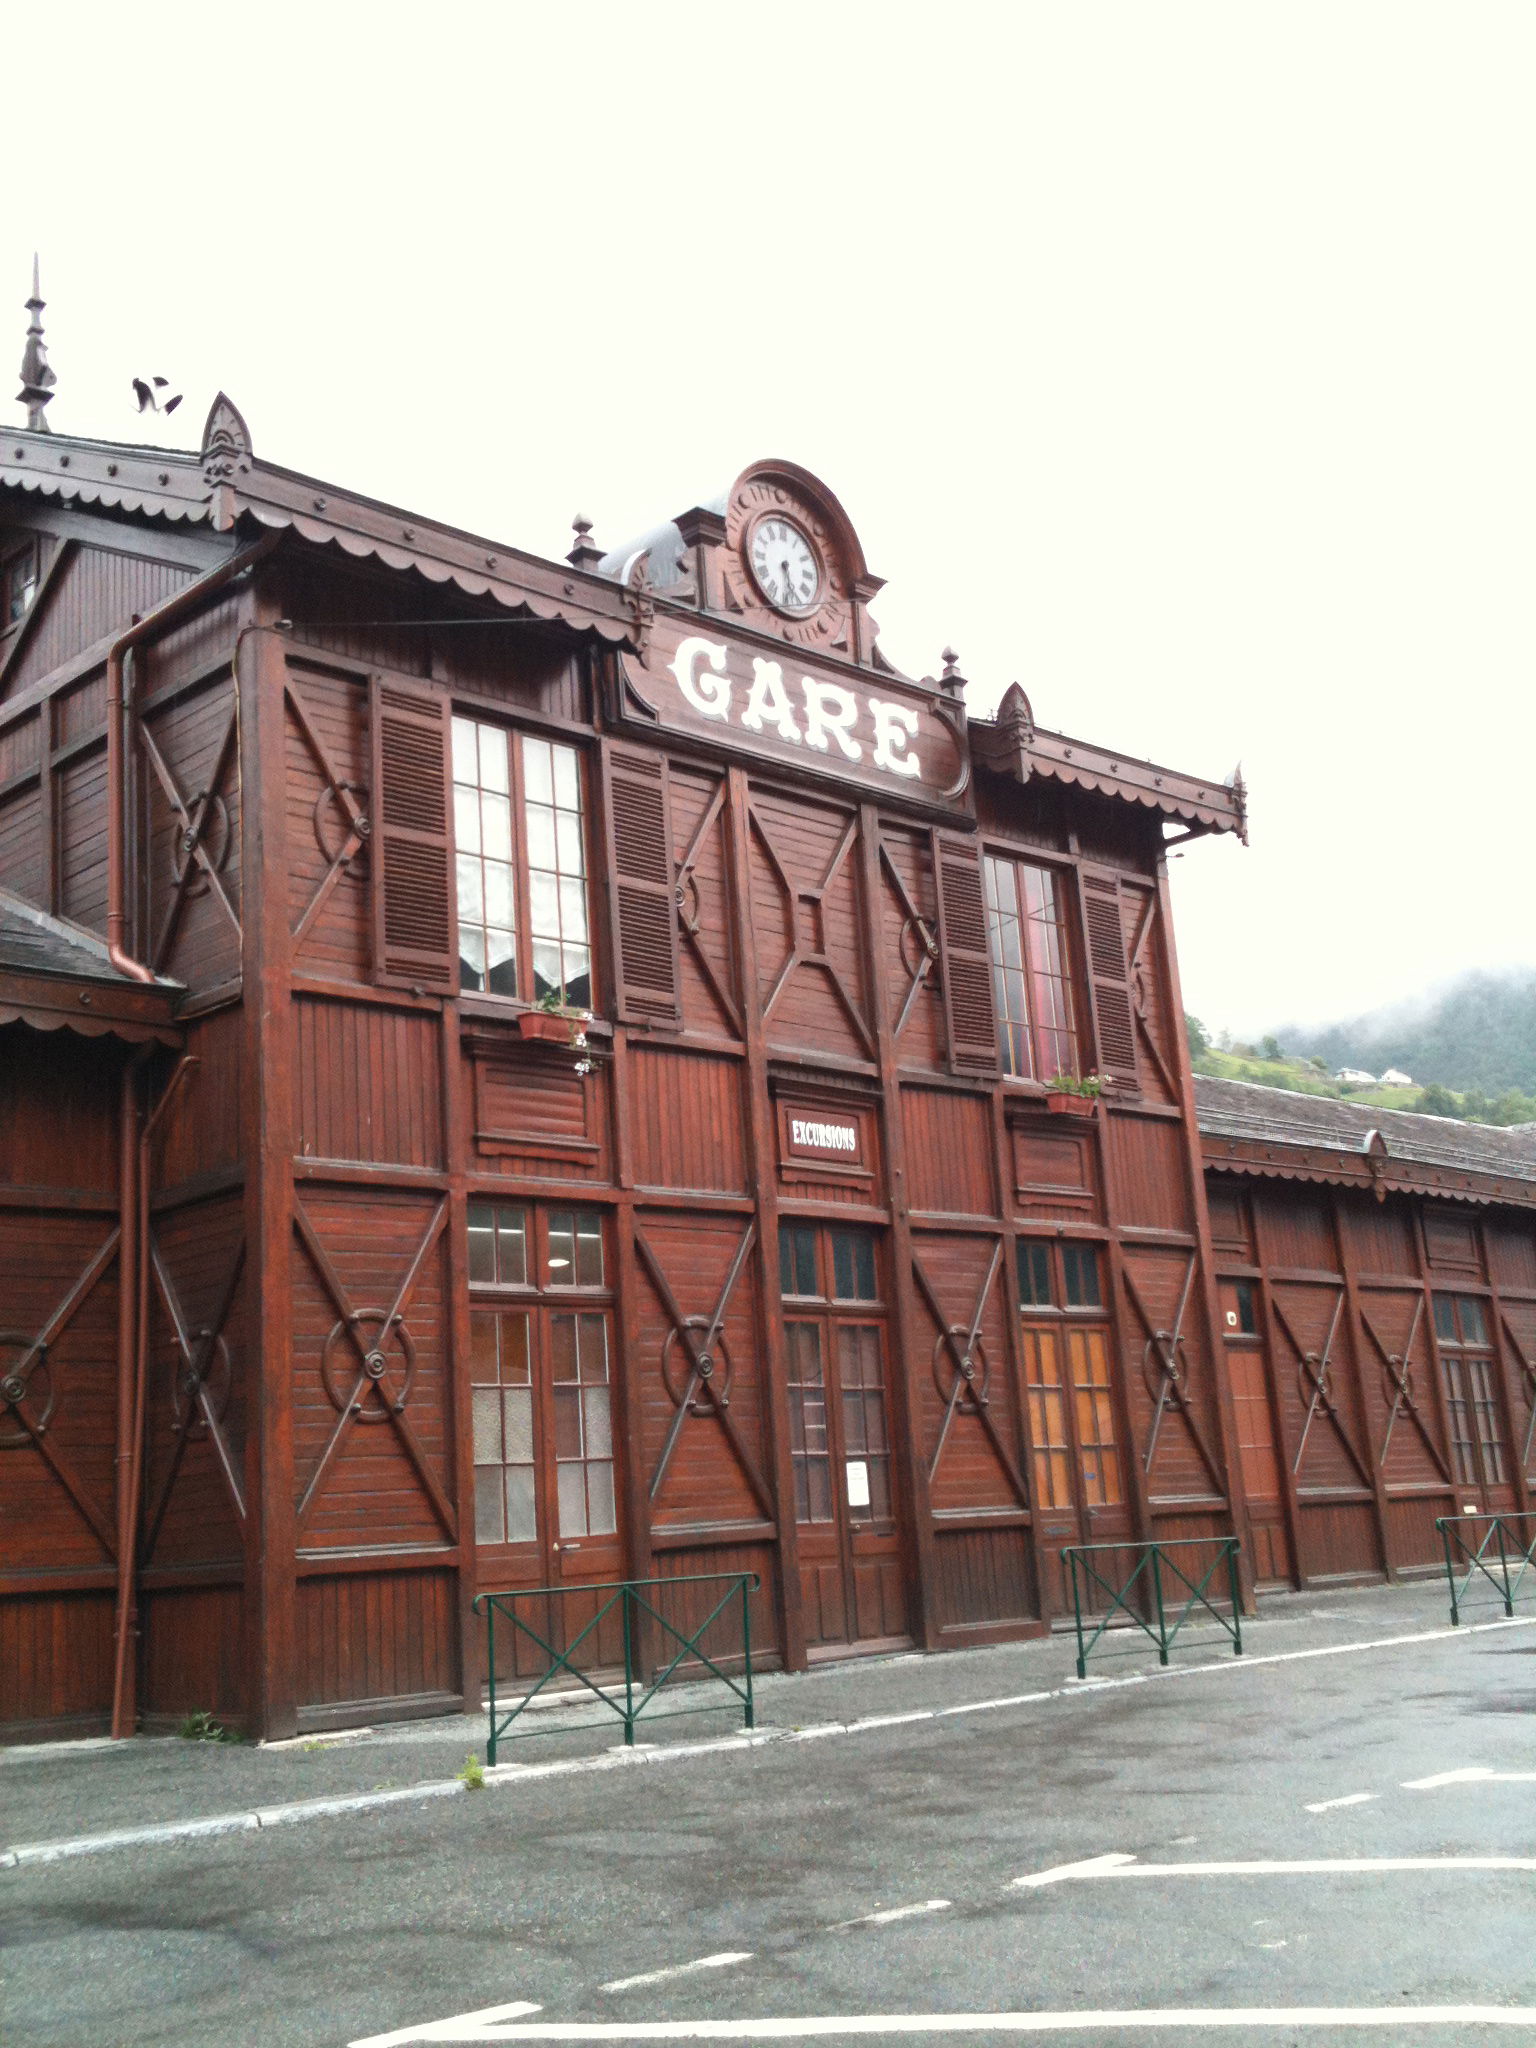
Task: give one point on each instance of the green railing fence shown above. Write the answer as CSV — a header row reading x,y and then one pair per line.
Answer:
x,y
1503,1554
1142,1593
649,1637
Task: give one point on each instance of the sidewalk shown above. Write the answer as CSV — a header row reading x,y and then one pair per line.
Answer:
x,y
54,1793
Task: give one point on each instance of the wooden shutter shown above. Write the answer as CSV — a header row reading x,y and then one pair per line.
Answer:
x,y
643,891
968,1010
1109,976
415,934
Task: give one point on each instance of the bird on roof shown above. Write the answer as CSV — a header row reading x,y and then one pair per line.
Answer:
x,y
148,395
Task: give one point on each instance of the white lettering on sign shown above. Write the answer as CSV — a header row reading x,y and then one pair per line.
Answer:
x,y
710,695
826,715
826,1137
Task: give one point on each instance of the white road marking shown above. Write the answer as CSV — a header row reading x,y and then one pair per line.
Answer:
x,y
456,2029
1304,1866
1473,1774
1349,1799
892,1913
720,1962
1390,2016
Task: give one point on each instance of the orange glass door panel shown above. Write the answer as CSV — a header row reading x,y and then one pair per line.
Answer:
x,y
1076,1477
872,1569
1259,1463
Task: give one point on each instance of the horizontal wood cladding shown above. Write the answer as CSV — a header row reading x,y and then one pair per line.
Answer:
x,y
201,1132
81,806
377,1635
23,846
55,1660
984,1577
531,1115
1054,1170
96,591
686,1120
949,1151
52,1135
191,1655
372,1456
369,1083
1145,1158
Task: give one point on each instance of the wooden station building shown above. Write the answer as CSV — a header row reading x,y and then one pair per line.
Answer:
x,y
339,1282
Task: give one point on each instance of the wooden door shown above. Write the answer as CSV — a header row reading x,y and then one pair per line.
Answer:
x,y
546,1487
1258,1453
834,1329
1078,1486
1480,1461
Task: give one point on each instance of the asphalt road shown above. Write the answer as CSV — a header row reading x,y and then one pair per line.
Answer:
x,y
773,1871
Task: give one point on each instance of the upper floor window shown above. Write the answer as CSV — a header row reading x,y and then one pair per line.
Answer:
x,y
521,863
1055,1276
18,582
1031,983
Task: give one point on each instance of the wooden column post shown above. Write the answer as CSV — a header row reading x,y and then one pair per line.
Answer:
x,y
460,1418
918,1539
763,1171
271,1584
1272,1391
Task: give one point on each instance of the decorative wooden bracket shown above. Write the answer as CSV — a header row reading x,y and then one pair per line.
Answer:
x,y
1163,1347
373,1382
925,936
1397,1368
200,1351
969,1378
349,800
701,1342
687,910
16,1389
197,817
1315,1383
814,901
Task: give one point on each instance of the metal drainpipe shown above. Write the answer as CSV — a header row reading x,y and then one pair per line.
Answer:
x,y
143,628
124,1689
127,1330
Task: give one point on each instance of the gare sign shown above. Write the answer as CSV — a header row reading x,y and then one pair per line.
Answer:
x,y
883,733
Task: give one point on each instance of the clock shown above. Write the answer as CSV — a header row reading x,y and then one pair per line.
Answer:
x,y
785,565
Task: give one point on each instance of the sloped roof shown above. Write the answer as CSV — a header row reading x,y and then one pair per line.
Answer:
x,y
226,482
56,975
1271,1131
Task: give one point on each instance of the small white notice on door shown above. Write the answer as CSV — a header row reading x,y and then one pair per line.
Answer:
x,y
858,1483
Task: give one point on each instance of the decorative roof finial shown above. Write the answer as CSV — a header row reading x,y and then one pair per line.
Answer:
x,y
37,380
586,554
951,682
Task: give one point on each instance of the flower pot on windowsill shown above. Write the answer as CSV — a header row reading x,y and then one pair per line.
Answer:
x,y
1060,1102
545,1025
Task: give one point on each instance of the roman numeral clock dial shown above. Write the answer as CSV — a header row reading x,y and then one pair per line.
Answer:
x,y
785,566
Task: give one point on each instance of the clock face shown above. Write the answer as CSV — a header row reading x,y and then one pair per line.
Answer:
x,y
786,566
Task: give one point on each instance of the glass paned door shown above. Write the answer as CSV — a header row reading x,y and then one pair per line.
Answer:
x,y
834,1343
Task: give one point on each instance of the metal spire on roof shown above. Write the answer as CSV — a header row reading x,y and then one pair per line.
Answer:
x,y
37,380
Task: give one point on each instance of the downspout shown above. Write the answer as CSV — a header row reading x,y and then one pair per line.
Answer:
x,y
143,628
124,1701
127,1332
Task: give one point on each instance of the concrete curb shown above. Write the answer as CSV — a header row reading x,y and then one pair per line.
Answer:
x,y
498,1776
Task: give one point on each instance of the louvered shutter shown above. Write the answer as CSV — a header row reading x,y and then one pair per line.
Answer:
x,y
415,935
644,886
1104,939
967,960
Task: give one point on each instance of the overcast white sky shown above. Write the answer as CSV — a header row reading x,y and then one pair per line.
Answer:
x,y
1177,360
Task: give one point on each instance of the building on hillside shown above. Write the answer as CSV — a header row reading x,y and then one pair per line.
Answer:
x,y
1355,1077
1394,1077
1377,1278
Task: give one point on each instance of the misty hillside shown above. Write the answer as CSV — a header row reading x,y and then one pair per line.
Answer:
x,y
1477,1033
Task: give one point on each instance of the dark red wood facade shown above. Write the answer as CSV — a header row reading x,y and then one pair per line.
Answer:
x,y
780,1271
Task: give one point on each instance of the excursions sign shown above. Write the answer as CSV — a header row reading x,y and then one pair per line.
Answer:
x,y
882,733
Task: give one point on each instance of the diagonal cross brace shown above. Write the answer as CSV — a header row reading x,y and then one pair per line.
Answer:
x,y
192,830
1398,1366
1315,1365
689,926
197,1356
1170,1393
356,818
701,1366
372,1369
927,936
966,1381
794,896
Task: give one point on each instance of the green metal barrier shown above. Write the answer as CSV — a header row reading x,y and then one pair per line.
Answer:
x,y
636,1609
1146,1582
1513,1541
